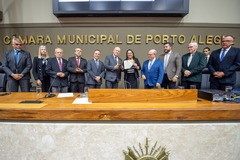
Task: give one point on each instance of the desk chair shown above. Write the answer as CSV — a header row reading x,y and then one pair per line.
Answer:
x,y
3,80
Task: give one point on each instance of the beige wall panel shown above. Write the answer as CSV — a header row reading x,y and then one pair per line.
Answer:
x,y
200,11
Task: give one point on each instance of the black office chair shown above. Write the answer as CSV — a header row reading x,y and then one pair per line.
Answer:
x,y
237,85
3,80
205,79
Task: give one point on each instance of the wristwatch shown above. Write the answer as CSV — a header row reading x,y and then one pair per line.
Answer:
x,y
176,76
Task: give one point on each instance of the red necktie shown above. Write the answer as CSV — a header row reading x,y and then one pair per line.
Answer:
x,y
78,61
60,63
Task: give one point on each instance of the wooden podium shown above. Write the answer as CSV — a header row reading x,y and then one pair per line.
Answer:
x,y
119,104
142,95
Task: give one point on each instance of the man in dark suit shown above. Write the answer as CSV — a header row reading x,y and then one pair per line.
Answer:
x,y
96,71
152,71
172,63
17,64
223,64
113,64
192,65
207,52
77,67
57,70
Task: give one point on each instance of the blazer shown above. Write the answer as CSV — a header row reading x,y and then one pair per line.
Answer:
x,y
136,74
229,64
111,74
155,74
93,71
174,65
24,64
53,68
71,67
38,70
196,66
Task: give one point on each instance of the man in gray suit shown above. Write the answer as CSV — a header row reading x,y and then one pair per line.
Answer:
x,y
113,66
172,63
96,71
17,64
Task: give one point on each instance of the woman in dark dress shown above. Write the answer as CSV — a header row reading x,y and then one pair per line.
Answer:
x,y
131,75
38,70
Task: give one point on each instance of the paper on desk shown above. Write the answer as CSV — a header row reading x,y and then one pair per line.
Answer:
x,y
62,95
81,101
128,64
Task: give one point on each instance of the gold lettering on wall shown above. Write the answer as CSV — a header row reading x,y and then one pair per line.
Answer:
x,y
133,39
160,39
31,39
181,39
209,39
115,39
88,39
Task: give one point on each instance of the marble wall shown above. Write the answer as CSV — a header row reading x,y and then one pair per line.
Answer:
x,y
98,141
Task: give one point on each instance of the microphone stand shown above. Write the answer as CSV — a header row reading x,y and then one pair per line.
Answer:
x,y
50,95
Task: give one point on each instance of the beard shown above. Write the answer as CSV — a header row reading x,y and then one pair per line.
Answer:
x,y
166,50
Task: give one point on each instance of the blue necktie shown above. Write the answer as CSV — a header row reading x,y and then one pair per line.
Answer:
x,y
97,63
222,55
150,65
16,58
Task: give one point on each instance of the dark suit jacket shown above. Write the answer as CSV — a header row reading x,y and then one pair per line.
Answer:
x,y
24,64
174,65
229,64
136,74
196,66
155,74
71,67
38,70
93,71
111,74
53,68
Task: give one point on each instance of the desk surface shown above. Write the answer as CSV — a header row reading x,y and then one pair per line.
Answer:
x,y
63,109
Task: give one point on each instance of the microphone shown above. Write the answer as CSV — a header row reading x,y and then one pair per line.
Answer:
x,y
50,95
6,93
126,82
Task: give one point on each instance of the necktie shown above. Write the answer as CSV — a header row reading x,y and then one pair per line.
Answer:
x,y
116,60
97,63
78,61
150,65
16,58
166,57
189,60
222,55
60,64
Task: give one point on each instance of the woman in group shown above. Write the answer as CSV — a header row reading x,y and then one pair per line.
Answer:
x,y
38,70
131,67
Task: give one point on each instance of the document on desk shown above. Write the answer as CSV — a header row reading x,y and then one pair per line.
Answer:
x,y
62,95
81,101
128,64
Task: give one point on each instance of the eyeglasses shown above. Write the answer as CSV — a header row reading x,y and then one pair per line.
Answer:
x,y
149,54
18,44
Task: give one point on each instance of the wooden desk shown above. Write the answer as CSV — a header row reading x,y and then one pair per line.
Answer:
x,y
63,109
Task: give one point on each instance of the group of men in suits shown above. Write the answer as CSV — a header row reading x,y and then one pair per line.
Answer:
x,y
17,64
222,64
170,66
156,72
